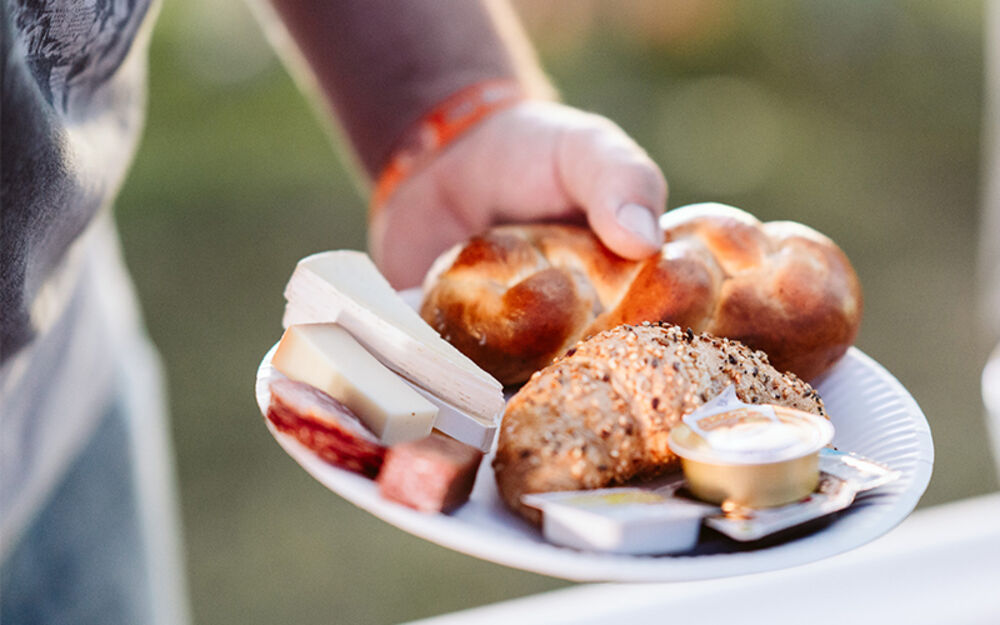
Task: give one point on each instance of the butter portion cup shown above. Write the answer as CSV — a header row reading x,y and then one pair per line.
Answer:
x,y
757,456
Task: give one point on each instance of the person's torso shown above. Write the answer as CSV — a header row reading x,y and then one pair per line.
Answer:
x,y
73,98
71,114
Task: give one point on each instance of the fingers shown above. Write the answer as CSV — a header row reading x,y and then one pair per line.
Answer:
x,y
534,161
619,187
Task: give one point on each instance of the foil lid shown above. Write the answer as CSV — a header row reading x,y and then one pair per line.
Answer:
x,y
729,430
842,477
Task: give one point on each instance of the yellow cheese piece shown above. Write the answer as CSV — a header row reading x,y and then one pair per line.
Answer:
x,y
327,357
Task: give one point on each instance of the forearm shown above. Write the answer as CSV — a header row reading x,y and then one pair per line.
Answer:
x,y
382,64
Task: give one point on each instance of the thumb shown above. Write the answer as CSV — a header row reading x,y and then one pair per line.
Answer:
x,y
619,187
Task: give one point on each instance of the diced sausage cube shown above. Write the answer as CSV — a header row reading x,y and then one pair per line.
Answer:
x,y
432,474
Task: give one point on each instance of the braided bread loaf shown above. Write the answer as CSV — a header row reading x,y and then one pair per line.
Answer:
x,y
515,297
601,414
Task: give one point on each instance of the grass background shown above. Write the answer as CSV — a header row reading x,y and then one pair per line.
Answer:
x,y
859,119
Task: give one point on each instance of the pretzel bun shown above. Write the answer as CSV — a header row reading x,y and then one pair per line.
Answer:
x,y
515,297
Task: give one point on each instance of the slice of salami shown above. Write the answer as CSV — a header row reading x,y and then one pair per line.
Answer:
x,y
325,426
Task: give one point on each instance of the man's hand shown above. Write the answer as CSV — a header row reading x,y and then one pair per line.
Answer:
x,y
531,162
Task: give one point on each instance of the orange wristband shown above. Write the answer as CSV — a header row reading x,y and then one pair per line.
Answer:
x,y
442,125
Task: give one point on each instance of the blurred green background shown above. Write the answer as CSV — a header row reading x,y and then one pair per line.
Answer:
x,y
860,119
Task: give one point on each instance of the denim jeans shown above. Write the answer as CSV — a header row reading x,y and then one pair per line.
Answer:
x,y
82,559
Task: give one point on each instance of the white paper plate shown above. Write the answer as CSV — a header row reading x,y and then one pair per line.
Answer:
x,y
873,414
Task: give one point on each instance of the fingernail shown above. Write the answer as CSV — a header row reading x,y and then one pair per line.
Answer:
x,y
639,220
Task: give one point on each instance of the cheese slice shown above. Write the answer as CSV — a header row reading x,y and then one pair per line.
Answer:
x,y
327,357
345,287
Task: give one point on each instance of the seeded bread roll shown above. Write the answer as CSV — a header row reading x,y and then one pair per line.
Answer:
x,y
600,415
515,297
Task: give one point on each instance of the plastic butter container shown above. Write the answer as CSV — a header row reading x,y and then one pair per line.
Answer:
x,y
750,455
625,520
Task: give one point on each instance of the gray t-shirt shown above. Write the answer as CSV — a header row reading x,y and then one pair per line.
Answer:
x,y
72,111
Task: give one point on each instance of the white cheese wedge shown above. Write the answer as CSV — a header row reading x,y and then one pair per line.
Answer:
x,y
327,356
345,287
